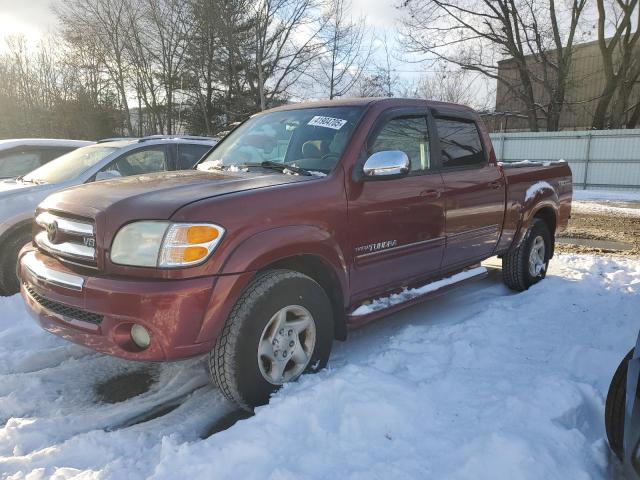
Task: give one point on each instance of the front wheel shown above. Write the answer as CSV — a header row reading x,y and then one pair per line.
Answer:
x,y
527,264
280,328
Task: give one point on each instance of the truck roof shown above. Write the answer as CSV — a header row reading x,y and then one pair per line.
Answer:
x,y
388,102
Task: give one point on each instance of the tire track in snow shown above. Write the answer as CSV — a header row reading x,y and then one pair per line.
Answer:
x,y
60,402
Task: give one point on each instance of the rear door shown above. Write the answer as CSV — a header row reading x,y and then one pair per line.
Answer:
x,y
396,226
474,191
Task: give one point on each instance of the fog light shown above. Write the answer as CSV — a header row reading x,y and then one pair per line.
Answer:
x,y
140,336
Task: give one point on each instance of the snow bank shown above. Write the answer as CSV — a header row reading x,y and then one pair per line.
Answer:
x,y
604,208
483,383
607,202
615,195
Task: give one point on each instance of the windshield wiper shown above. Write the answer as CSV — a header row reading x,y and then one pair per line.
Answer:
x,y
281,167
31,180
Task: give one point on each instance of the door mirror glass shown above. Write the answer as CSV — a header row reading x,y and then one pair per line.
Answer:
x,y
387,164
107,175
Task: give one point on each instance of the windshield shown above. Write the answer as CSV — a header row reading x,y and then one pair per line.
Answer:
x,y
69,166
310,139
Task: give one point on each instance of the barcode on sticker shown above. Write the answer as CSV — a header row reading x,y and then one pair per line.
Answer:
x,y
328,122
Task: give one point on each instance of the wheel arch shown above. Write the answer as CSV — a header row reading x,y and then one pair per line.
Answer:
x,y
308,249
547,211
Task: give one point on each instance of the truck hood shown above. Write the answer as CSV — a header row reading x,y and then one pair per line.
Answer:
x,y
157,196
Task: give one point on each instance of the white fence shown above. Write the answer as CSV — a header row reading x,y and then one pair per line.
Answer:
x,y
608,159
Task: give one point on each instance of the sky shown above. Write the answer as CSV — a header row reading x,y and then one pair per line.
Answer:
x,y
34,19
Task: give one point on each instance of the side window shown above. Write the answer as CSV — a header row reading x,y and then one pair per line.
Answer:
x,y
189,154
18,163
460,143
139,162
409,135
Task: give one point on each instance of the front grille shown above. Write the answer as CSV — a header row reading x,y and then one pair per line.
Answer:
x,y
64,310
70,239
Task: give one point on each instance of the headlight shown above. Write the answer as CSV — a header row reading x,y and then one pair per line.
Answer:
x,y
165,244
188,244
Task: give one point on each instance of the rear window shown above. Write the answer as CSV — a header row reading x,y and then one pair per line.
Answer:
x,y
460,143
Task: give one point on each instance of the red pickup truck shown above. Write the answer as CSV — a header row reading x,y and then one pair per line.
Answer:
x,y
304,221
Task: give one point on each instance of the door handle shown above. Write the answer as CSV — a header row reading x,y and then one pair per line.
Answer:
x,y
431,194
496,184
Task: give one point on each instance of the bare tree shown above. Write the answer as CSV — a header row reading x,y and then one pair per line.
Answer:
x,y
205,62
145,76
474,34
43,93
164,22
346,50
447,86
281,56
620,59
381,79
103,23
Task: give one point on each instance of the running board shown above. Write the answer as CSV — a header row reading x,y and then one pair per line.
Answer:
x,y
411,296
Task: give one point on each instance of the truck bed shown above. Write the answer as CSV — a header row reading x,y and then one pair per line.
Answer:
x,y
539,184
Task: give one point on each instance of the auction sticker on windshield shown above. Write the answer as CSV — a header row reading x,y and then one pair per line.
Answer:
x,y
328,122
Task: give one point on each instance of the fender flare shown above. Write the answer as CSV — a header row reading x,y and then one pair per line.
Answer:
x,y
258,251
545,197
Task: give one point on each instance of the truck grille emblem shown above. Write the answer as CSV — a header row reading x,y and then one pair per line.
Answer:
x,y
52,231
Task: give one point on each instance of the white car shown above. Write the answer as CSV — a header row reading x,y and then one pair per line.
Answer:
x,y
104,160
22,155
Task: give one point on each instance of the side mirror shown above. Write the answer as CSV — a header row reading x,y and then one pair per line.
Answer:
x,y
107,175
387,164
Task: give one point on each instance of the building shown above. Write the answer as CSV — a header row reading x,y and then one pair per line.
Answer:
x,y
586,81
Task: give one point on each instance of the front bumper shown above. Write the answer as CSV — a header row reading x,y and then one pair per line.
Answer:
x,y
182,316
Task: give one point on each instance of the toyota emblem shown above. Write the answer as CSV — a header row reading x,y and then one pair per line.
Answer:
x,y
52,231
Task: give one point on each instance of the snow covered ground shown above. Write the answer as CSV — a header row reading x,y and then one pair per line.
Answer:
x,y
614,195
480,383
607,202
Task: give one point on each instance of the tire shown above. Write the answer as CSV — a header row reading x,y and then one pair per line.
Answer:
x,y
615,407
237,364
516,273
9,283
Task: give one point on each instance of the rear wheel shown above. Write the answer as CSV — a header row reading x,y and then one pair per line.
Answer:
x,y
9,250
614,408
280,328
527,264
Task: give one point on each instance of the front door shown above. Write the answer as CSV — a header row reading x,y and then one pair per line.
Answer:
x,y
396,226
474,194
